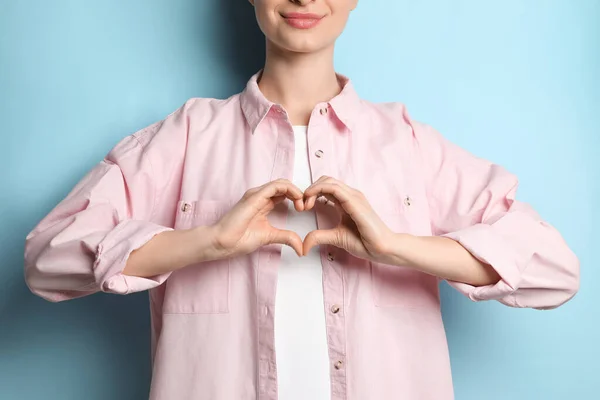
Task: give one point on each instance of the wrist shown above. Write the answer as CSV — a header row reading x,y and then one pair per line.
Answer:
x,y
205,243
398,249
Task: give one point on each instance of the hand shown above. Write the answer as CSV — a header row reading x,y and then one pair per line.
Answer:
x,y
361,232
245,227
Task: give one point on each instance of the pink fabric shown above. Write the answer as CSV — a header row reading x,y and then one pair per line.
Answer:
x,y
212,324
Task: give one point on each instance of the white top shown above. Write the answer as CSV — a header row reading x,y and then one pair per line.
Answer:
x,y
300,335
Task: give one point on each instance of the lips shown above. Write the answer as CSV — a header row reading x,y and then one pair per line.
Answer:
x,y
302,20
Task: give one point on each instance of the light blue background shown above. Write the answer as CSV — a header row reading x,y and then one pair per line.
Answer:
x,y
516,81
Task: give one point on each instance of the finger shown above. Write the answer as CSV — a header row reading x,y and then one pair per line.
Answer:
x,y
311,200
328,200
331,201
281,187
276,187
319,237
278,199
322,178
261,197
329,179
288,238
342,195
298,203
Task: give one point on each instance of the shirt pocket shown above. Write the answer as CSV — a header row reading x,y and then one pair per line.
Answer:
x,y
201,288
402,286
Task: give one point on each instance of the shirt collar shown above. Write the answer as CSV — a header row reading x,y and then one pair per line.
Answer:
x,y
255,106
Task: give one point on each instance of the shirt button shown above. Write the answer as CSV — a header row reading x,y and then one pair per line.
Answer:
x,y
338,364
323,111
335,309
408,201
319,153
330,257
186,207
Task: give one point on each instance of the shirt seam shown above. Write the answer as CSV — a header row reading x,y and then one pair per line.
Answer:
x,y
152,171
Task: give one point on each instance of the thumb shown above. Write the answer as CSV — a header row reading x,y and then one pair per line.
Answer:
x,y
289,238
321,236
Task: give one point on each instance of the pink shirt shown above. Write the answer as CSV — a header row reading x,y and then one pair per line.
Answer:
x,y
212,324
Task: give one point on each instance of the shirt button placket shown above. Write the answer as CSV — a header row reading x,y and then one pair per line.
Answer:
x,y
318,142
322,162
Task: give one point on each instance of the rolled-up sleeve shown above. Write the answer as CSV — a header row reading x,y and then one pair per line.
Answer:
x,y
472,201
83,244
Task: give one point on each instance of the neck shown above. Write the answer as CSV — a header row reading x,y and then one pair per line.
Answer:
x,y
298,81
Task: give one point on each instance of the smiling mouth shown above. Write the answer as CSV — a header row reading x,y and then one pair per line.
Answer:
x,y
302,20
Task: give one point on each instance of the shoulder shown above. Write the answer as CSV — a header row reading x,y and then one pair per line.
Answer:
x,y
207,108
169,134
396,114
196,111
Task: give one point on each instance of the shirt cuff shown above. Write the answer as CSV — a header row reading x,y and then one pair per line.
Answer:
x,y
113,252
492,248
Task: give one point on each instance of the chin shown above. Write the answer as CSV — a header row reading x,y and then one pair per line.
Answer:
x,y
303,45
304,49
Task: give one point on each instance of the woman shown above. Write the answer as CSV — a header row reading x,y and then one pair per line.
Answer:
x,y
381,208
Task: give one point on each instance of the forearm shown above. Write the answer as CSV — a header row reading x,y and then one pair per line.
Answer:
x,y
441,257
170,251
